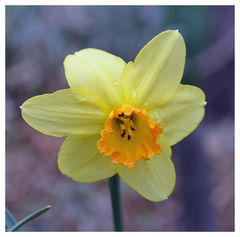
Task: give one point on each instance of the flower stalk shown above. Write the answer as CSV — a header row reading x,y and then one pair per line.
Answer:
x,y
116,202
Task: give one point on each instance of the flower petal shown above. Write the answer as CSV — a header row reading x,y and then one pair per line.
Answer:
x,y
157,70
96,70
155,178
68,112
80,160
182,114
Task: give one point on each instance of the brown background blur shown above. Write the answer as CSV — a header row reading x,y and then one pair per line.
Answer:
x,y
37,40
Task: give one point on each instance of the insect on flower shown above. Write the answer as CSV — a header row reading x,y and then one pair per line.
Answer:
x,y
121,117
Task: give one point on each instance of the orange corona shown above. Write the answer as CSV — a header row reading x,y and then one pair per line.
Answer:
x,y
129,135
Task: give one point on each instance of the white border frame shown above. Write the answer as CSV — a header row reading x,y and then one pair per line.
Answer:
x,y
236,3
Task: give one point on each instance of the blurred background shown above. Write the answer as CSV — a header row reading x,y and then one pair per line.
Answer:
x,y
37,41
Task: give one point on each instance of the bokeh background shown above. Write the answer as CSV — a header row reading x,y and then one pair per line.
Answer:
x,y
37,40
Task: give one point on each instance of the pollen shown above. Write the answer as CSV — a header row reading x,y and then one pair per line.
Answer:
x,y
129,135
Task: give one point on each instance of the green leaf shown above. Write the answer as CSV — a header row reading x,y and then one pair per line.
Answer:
x,y
29,218
10,219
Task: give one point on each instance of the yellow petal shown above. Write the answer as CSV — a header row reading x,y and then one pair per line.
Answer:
x,y
182,114
68,112
157,70
154,179
80,160
96,70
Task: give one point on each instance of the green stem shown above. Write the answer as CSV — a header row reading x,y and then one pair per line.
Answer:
x,y
116,202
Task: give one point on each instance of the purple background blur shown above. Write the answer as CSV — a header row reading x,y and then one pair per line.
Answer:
x,y
38,39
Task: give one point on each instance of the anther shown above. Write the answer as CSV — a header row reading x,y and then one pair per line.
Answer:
x,y
129,137
123,133
133,129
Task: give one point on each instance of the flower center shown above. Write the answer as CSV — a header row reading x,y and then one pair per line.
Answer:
x,y
129,135
127,125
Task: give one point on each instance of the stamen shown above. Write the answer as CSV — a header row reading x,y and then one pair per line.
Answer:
x,y
127,125
123,133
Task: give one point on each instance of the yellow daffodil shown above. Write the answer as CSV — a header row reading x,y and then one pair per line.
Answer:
x,y
122,117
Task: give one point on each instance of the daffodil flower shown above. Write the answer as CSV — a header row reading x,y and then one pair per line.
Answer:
x,y
122,118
